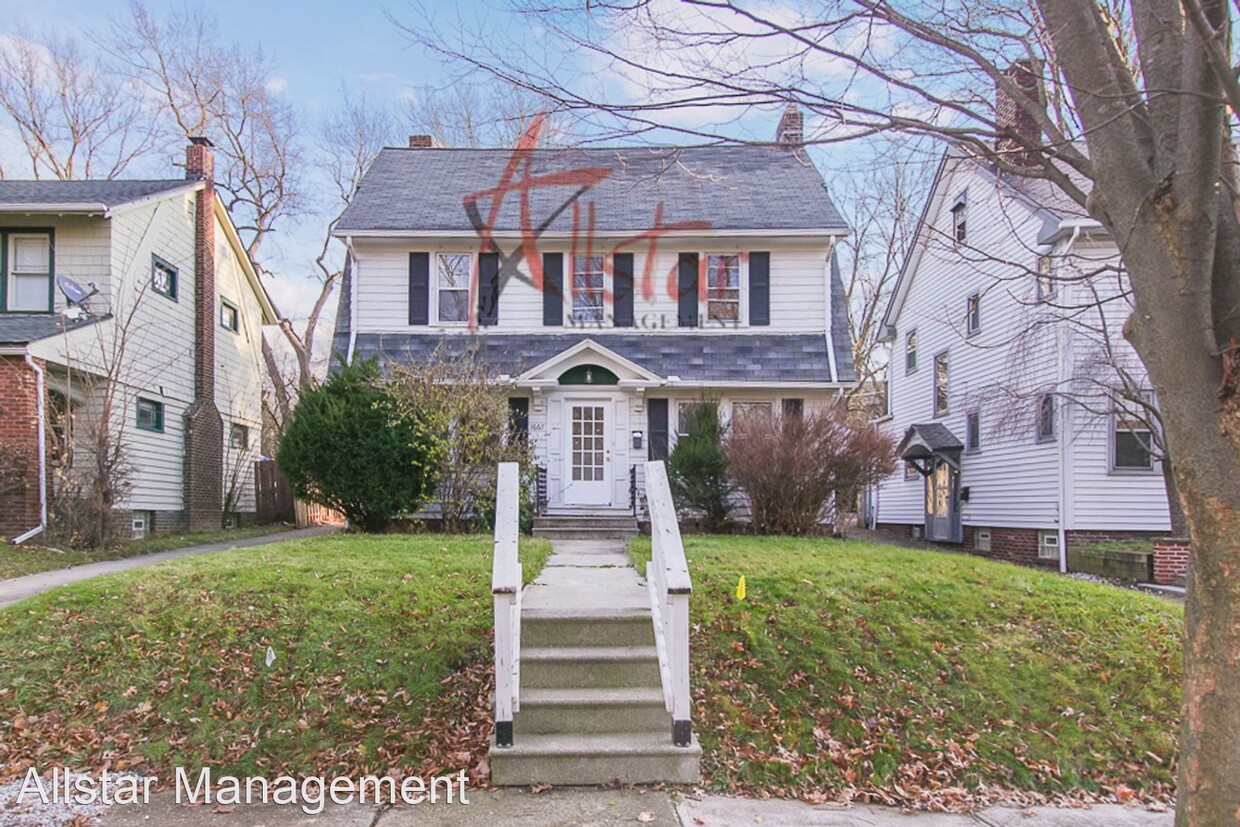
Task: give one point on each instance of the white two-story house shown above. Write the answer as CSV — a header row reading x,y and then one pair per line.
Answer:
x,y
129,309
608,288
1020,409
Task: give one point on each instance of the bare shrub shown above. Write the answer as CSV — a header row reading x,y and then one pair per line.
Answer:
x,y
792,467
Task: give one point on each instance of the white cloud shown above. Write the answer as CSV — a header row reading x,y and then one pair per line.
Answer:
x,y
276,85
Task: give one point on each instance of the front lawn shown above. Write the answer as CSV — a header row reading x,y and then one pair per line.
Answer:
x,y
923,678
31,558
167,665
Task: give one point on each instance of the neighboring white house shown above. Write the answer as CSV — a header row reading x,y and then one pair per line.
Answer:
x,y
176,323
1012,389
639,280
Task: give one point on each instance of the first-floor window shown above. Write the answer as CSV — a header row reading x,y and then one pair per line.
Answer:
x,y
452,286
150,415
684,413
973,431
239,437
1046,417
30,273
794,407
746,410
1132,439
588,288
910,470
723,289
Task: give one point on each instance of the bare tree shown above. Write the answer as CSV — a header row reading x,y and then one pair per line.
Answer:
x,y
466,114
75,119
1131,105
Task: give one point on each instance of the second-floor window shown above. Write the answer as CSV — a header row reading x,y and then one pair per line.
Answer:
x,y
28,285
973,431
1046,279
973,314
910,351
150,415
940,384
239,437
723,289
163,278
452,274
589,283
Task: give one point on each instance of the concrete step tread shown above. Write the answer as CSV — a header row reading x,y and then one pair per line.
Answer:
x,y
608,615
588,654
610,743
618,696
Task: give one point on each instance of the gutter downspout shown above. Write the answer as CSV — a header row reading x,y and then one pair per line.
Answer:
x,y
42,417
1064,435
348,244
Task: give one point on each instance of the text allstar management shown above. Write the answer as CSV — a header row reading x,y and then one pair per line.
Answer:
x,y
311,793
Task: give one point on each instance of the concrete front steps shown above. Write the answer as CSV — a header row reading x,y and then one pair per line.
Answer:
x,y
591,699
569,526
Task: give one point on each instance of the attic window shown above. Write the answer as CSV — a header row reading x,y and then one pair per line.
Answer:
x,y
959,228
230,316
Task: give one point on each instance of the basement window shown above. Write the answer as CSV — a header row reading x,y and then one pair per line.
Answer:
x,y
150,415
981,539
1048,545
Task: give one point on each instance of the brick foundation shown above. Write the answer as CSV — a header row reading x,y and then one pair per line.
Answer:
x,y
1011,545
1170,560
19,447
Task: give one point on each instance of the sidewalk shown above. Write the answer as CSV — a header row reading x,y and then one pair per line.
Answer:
x,y
611,808
19,588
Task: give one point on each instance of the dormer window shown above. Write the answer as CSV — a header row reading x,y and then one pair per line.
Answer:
x,y
28,284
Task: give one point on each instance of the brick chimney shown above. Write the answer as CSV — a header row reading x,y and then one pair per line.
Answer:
x,y
791,129
204,428
421,142
1015,124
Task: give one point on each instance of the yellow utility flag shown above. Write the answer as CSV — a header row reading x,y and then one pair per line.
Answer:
x,y
740,588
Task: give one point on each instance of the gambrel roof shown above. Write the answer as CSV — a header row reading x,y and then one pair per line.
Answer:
x,y
761,188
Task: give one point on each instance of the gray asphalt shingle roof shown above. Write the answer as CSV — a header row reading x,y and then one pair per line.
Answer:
x,y
694,357
935,435
83,193
23,328
749,187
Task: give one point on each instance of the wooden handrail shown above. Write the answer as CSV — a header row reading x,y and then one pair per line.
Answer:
x,y
667,577
506,576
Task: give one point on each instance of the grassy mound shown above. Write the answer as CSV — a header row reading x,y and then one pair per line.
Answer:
x,y
167,665
852,670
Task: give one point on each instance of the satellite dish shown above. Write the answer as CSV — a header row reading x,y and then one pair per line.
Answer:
x,y
74,293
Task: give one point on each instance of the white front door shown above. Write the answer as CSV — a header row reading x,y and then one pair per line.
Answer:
x,y
587,454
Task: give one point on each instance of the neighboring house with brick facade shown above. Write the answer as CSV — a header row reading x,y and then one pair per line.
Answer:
x,y
174,328
633,282
1016,400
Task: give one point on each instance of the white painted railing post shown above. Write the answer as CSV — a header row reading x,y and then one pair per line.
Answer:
x,y
667,577
506,594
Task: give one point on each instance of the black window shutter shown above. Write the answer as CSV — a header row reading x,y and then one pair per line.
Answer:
x,y
488,289
553,289
656,419
759,288
688,290
519,416
622,267
419,288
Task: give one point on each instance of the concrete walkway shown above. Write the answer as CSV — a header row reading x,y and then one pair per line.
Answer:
x,y
19,588
562,807
587,574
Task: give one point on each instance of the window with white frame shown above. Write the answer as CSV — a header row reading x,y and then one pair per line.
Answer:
x,y
940,384
973,314
1046,417
959,221
29,283
1046,278
973,431
239,437
910,351
723,289
684,413
452,274
1048,545
1132,437
749,409
981,539
230,316
589,282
